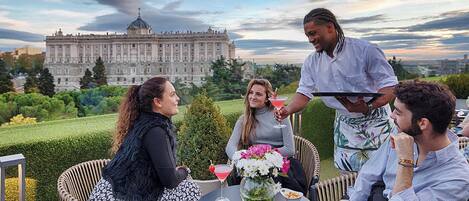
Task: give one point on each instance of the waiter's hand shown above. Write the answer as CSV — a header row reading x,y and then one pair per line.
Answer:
x,y
358,107
281,114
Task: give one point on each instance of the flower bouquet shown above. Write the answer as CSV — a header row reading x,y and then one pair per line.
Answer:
x,y
258,165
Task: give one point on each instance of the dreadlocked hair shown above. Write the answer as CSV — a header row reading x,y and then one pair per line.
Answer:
x,y
323,16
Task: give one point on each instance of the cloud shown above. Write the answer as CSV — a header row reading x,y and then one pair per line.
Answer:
x,y
129,7
367,19
234,36
455,20
268,46
271,24
396,37
165,19
456,39
20,35
172,5
64,13
399,44
119,22
457,42
279,23
6,21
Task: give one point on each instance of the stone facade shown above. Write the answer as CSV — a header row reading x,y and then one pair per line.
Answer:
x,y
136,56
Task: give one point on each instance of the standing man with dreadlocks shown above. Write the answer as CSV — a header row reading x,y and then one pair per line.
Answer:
x,y
349,65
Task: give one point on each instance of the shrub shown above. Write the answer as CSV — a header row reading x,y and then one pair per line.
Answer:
x,y
7,111
317,127
11,189
34,105
459,85
100,100
46,160
289,89
232,118
202,137
20,120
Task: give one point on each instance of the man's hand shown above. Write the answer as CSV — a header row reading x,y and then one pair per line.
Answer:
x,y
404,146
282,113
358,107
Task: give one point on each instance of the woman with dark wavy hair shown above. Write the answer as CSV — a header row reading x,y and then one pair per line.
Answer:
x,y
144,144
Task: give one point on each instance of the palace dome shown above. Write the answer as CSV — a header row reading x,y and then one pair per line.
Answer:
x,y
139,23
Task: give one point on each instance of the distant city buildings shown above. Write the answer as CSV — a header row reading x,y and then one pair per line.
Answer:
x,y
437,67
137,55
29,50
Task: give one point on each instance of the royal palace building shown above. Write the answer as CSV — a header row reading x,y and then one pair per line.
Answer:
x,y
136,56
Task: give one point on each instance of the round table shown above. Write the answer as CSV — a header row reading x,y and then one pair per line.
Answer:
x,y
232,193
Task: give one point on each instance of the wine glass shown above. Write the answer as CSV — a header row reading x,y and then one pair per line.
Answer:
x,y
278,103
222,171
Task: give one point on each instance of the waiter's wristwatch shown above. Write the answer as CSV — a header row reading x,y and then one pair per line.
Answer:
x,y
370,109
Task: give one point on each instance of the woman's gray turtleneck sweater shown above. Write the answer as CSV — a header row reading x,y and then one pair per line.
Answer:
x,y
264,133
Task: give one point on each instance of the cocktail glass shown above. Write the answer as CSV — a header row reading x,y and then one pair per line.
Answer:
x,y
278,103
222,171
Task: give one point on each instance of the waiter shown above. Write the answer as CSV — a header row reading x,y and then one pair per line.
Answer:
x,y
343,64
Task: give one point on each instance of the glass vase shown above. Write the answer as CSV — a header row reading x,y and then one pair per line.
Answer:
x,y
258,189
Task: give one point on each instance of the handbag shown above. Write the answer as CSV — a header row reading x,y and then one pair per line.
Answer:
x,y
296,179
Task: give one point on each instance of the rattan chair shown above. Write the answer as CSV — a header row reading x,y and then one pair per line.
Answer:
x,y
334,189
77,182
463,142
308,155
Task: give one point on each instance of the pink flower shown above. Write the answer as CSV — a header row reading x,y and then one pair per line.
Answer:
x,y
276,149
258,151
285,166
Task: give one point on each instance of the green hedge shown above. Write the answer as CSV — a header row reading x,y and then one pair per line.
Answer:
x,y
459,84
317,127
47,159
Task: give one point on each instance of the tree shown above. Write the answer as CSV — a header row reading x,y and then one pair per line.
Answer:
x,y
228,77
284,74
202,137
265,72
99,73
399,71
31,84
6,84
87,81
9,60
46,83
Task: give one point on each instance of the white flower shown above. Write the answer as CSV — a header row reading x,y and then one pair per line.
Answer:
x,y
275,172
269,164
277,187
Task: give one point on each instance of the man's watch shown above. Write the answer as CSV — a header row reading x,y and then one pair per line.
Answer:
x,y
370,109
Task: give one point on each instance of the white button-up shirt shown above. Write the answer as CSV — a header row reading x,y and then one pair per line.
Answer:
x,y
359,67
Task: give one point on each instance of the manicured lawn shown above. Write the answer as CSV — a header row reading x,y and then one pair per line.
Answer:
x,y
50,130
436,79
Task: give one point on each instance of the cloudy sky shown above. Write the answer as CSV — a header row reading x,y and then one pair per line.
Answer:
x,y
264,30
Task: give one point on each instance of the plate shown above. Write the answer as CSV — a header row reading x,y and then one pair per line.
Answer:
x,y
291,194
374,95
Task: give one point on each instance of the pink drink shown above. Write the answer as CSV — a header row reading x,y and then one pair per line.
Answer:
x,y
278,102
222,171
